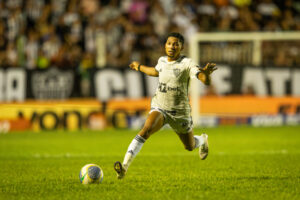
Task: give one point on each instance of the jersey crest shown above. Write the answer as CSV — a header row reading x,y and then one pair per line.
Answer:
x,y
176,72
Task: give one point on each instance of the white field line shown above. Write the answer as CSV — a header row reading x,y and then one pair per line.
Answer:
x,y
146,154
71,155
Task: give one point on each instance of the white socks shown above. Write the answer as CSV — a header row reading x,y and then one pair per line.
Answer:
x,y
133,149
137,143
198,141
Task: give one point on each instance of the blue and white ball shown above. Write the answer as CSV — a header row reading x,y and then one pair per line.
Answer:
x,y
91,173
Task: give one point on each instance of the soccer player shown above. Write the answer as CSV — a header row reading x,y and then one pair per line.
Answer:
x,y
170,104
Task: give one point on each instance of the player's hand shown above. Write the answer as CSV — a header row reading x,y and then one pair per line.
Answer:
x,y
209,68
134,65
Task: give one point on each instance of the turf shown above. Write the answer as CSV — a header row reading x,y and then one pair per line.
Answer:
x,y
244,163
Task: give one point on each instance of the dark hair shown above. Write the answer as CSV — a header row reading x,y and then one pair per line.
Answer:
x,y
176,35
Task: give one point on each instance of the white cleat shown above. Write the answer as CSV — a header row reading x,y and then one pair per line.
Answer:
x,y
119,168
203,149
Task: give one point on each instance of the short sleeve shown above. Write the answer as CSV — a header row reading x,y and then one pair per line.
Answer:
x,y
194,70
158,65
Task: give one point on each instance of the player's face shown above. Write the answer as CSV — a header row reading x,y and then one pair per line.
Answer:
x,y
173,48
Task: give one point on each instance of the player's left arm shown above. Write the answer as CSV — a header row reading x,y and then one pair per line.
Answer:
x,y
204,74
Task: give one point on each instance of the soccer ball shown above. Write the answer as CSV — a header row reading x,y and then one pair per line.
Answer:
x,y
91,173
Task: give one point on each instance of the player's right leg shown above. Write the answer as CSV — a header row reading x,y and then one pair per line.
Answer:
x,y
153,123
191,141
184,129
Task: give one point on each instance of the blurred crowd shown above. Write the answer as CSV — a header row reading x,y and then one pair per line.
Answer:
x,y
71,33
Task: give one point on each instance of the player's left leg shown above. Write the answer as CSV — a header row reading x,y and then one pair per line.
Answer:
x,y
191,141
153,123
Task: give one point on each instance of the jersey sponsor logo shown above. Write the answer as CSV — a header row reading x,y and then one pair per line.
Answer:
x,y
163,87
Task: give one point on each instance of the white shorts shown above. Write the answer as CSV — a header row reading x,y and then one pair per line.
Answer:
x,y
181,125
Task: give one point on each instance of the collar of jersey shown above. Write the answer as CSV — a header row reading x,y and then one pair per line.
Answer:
x,y
174,61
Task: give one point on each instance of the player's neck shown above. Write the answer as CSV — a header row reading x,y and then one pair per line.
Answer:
x,y
170,59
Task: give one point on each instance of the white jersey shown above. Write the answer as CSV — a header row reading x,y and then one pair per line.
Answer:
x,y
172,92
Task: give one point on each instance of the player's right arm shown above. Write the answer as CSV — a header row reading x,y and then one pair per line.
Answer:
x,y
151,71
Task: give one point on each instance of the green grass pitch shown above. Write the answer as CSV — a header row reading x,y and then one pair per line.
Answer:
x,y
244,163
